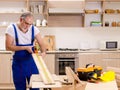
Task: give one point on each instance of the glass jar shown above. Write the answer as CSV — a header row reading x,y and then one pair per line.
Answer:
x,y
114,24
106,24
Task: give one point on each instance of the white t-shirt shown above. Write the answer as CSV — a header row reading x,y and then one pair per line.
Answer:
x,y
23,38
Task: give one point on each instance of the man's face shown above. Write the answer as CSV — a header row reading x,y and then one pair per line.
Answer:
x,y
26,23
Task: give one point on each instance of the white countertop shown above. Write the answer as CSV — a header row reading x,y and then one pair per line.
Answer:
x,y
85,51
79,51
5,52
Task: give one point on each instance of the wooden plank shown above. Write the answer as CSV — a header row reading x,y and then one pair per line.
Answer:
x,y
72,77
43,70
36,82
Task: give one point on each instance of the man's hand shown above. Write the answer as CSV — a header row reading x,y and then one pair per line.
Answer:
x,y
29,49
43,54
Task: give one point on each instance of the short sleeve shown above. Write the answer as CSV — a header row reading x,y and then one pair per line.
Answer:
x,y
36,30
10,31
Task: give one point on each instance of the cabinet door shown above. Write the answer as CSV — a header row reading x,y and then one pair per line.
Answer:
x,y
50,62
65,13
5,68
86,58
111,59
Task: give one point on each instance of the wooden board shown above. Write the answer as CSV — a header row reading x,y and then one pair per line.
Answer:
x,y
49,41
37,82
43,70
72,77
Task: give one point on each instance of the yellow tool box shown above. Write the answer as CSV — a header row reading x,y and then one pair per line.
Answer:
x,y
89,73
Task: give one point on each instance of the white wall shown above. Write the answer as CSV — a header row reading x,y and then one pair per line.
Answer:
x,y
71,37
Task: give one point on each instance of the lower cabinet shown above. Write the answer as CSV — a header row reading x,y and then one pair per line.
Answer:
x,y
6,71
86,58
111,59
6,81
103,59
50,62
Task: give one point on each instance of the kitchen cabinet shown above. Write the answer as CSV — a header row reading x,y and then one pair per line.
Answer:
x,y
10,10
102,13
93,13
65,13
83,13
5,70
111,59
103,59
50,62
92,57
39,9
111,13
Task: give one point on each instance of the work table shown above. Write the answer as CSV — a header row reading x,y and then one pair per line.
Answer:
x,y
36,82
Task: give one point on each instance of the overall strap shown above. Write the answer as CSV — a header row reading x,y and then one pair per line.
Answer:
x,y
32,35
16,36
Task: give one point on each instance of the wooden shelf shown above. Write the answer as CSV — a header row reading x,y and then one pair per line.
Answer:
x,y
12,0
64,11
102,0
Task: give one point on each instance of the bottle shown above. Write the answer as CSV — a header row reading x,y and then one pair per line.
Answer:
x,y
114,24
38,22
106,24
44,22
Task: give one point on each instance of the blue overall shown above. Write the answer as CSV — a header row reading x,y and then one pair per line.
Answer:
x,y
23,65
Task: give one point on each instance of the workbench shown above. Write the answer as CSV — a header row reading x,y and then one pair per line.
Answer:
x,y
36,82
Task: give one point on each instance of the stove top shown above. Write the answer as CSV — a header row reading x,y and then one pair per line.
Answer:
x,y
68,49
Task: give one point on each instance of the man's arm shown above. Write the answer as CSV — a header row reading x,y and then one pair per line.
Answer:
x,y
41,43
10,46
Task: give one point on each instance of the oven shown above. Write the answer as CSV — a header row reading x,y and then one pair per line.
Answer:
x,y
62,60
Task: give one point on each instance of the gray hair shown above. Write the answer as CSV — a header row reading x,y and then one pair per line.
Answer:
x,y
26,14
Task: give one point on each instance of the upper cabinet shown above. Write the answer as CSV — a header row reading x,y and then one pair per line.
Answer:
x,y
102,13
40,11
111,14
93,13
65,13
10,10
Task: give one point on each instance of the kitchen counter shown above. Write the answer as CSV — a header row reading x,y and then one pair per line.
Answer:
x,y
84,51
5,52
79,51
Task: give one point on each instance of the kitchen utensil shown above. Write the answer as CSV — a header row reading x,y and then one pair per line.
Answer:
x,y
106,24
118,24
49,41
91,11
38,22
44,22
114,24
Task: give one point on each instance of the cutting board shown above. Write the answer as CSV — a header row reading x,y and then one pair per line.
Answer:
x,y
49,41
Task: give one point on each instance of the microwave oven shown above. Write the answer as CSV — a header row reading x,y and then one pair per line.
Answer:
x,y
108,45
